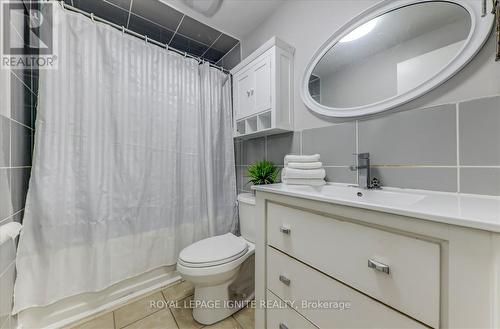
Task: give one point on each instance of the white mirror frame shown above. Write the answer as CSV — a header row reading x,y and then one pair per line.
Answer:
x,y
481,26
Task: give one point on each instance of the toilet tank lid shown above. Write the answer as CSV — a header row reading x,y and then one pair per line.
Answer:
x,y
247,198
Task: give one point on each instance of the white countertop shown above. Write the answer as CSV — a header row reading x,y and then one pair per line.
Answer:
x,y
467,210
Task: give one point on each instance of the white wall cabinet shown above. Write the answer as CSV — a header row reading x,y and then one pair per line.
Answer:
x,y
263,91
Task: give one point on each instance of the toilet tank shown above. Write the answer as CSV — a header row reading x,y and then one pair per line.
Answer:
x,y
246,210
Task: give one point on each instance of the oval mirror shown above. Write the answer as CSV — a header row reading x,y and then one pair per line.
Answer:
x,y
393,53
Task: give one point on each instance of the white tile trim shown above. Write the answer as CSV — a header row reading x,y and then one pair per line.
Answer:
x,y
300,143
335,166
265,148
481,167
410,166
458,144
476,98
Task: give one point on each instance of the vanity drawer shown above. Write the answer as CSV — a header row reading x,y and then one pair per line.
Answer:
x,y
343,251
307,284
284,318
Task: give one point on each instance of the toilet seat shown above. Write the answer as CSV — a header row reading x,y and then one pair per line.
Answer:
x,y
213,251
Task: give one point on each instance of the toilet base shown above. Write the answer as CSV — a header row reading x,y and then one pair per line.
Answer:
x,y
213,303
209,309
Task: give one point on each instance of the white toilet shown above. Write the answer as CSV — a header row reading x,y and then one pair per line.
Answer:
x,y
222,268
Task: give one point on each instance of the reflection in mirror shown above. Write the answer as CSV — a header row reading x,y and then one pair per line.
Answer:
x,y
390,54
315,88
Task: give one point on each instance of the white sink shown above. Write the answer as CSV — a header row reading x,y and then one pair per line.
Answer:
x,y
351,193
474,211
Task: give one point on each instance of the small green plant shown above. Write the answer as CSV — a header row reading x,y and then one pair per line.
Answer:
x,y
263,172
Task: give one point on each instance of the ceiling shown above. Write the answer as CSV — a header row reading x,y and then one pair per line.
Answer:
x,y
235,17
181,27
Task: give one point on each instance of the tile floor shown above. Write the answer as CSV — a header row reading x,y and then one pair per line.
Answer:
x,y
140,313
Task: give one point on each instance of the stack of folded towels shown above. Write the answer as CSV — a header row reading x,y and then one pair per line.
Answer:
x,y
303,170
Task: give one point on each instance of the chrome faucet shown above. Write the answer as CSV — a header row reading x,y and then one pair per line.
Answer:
x,y
363,168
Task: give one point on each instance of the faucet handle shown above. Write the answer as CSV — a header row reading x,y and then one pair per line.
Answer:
x,y
375,183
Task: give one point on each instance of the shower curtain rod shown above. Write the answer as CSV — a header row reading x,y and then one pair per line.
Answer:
x,y
140,36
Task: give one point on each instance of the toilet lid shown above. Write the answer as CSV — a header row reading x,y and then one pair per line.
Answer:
x,y
213,251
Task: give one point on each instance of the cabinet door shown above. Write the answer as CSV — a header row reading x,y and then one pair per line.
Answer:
x,y
262,91
244,104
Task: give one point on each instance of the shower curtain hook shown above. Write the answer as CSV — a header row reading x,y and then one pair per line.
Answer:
x,y
123,30
146,38
92,17
62,4
185,54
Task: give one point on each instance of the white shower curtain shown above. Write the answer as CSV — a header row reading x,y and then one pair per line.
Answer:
x,y
133,161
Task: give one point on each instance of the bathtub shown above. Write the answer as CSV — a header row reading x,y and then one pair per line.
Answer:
x,y
72,310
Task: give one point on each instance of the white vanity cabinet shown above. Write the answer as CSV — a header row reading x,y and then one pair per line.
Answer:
x,y
262,91
375,269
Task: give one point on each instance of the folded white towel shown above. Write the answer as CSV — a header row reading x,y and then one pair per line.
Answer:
x,y
301,158
298,181
303,173
305,165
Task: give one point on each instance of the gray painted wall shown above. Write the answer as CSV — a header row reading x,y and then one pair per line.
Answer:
x,y
446,140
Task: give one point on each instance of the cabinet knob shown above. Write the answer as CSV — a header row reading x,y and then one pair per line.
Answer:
x,y
285,280
377,266
248,93
251,92
283,326
285,230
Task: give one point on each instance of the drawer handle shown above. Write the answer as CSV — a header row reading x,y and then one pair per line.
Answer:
x,y
378,266
284,230
283,326
285,280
